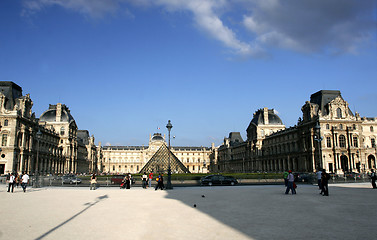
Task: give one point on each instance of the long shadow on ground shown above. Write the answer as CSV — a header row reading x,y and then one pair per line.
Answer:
x,y
265,212
89,205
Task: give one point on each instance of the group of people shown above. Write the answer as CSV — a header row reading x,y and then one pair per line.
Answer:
x,y
15,179
146,181
323,181
322,177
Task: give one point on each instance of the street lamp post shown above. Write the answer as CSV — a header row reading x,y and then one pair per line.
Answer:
x,y
169,126
319,139
36,183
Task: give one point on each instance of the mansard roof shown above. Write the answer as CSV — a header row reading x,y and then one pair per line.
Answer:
x,y
273,118
11,92
83,136
50,114
324,97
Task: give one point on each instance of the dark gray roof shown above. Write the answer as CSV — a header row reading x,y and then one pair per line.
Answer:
x,y
83,136
273,119
11,91
235,138
157,137
50,114
323,97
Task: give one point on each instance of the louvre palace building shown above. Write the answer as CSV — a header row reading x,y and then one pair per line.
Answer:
x,y
134,159
51,144
328,135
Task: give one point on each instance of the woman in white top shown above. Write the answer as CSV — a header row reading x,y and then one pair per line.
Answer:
x,y
11,182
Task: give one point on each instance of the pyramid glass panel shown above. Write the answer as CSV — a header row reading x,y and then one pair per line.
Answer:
x,y
159,162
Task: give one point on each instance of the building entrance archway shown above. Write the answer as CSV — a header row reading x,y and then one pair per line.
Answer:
x,y
344,163
371,162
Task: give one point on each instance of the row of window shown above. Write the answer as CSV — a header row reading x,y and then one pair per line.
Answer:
x,y
342,142
353,127
137,167
137,159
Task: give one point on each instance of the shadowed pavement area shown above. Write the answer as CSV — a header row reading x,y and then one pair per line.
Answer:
x,y
239,212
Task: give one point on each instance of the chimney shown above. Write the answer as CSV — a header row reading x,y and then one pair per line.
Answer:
x,y
265,116
59,112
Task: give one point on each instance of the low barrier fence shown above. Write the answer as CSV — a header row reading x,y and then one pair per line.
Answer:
x,y
308,178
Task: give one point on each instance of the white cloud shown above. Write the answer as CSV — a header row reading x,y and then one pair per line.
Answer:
x,y
309,26
92,8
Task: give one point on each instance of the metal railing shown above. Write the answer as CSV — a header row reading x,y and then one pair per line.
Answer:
x,y
309,178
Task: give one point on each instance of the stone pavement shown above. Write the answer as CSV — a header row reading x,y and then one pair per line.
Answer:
x,y
239,212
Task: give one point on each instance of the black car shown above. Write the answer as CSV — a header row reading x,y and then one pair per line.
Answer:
x,y
302,177
218,180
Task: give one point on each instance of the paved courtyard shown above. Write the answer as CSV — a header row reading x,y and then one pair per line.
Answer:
x,y
239,212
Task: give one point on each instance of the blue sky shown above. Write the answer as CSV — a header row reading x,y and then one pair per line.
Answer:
x,y
125,67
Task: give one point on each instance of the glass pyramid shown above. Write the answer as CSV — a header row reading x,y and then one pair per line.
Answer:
x,y
159,162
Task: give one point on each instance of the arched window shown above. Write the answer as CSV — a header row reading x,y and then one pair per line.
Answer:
x,y
339,113
62,131
328,141
342,141
371,128
372,141
4,140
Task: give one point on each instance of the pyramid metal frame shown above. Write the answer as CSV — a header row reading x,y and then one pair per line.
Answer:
x,y
159,162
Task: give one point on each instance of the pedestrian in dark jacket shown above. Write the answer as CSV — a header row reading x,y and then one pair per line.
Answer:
x,y
374,178
325,183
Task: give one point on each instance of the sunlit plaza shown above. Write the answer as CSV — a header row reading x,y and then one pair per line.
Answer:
x,y
237,212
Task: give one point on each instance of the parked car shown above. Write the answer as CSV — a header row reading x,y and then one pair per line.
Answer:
x,y
218,180
117,179
302,177
353,175
71,180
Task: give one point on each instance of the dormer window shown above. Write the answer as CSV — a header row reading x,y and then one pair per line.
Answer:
x,y
339,113
62,131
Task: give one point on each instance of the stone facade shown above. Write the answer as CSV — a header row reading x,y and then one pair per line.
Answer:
x,y
131,159
47,145
327,136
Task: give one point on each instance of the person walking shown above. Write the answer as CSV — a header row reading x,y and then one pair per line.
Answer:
x,y
319,178
374,178
17,179
11,182
128,181
290,186
25,181
325,183
93,182
285,176
144,180
130,178
160,182
162,186
150,178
